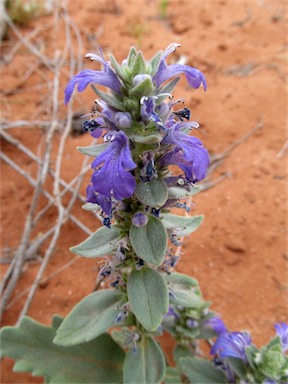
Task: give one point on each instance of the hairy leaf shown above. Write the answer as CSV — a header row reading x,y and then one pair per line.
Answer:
x,y
148,297
150,241
200,371
185,290
145,137
172,376
111,100
94,315
179,193
146,364
152,193
30,345
102,242
93,150
184,224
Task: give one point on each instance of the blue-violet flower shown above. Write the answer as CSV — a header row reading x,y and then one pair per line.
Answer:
x,y
231,344
282,332
164,72
112,166
106,77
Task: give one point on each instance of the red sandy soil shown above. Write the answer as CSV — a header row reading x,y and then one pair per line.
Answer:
x,y
239,255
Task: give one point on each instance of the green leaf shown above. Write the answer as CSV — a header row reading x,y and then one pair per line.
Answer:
x,y
144,137
185,289
200,371
250,352
119,336
237,366
30,344
91,207
102,242
148,297
186,298
179,193
139,65
152,193
180,278
150,241
154,63
94,315
181,351
184,224
146,365
93,150
172,376
144,88
109,99
131,56
169,87
119,69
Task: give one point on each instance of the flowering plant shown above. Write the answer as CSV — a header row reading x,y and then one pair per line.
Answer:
x,y
111,335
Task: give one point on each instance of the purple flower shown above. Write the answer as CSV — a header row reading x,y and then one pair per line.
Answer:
x,y
172,313
282,332
216,324
148,113
188,152
164,72
96,198
112,166
106,77
231,344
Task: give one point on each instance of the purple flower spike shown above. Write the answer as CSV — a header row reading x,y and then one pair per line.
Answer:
x,y
282,332
216,324
112,166
231,344
139,219
107,77
194,77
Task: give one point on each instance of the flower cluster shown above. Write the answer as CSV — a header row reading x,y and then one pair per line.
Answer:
x,y
143,132
237,356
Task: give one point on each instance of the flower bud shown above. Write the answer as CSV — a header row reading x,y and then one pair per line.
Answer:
x,y
140,78
139,219
123,119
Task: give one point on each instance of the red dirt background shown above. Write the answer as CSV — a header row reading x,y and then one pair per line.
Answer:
x,y
239,255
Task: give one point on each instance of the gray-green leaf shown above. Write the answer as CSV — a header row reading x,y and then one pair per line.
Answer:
x,y
91,207
102,242
93,150
185,290
146,365
200,371
172,376
119,69
150,241
109,99
184,224
179,193
94,315
154,63
148,297
152,193
145,137
30,344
